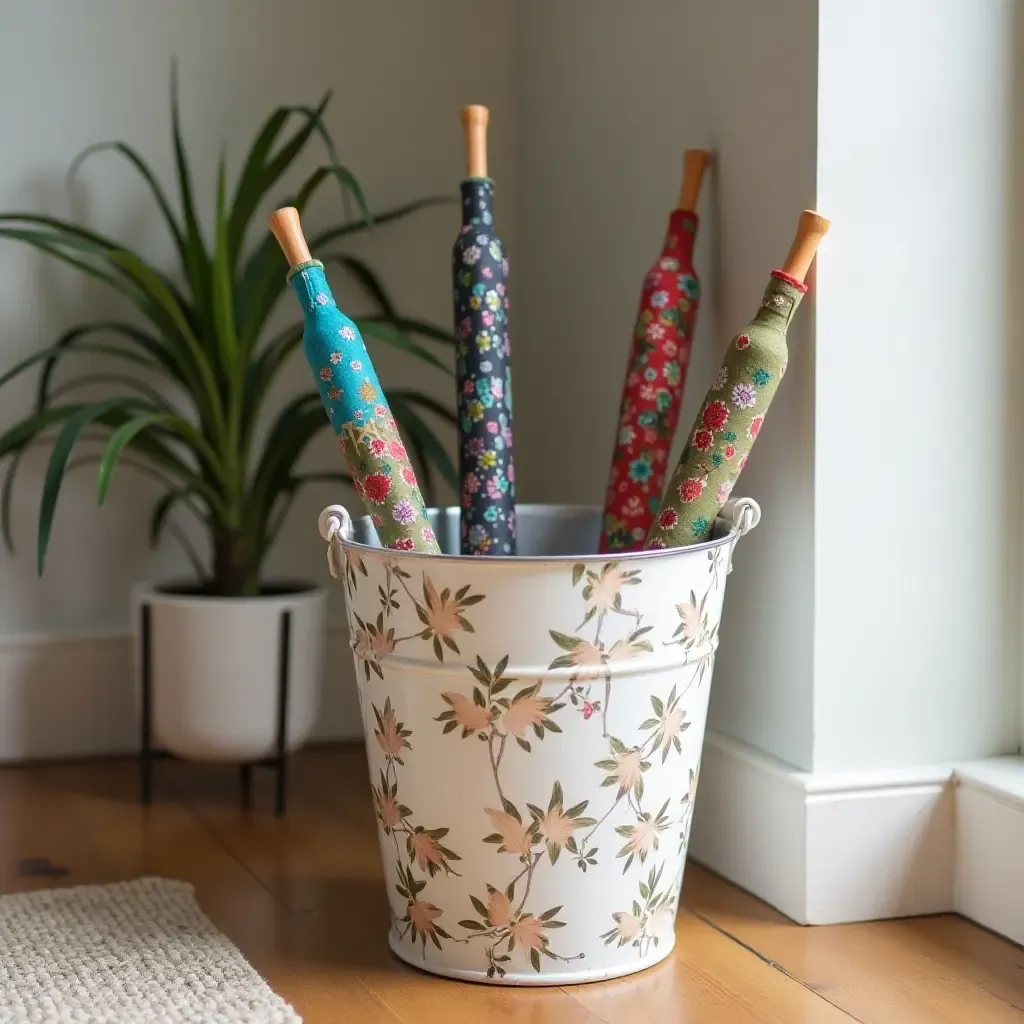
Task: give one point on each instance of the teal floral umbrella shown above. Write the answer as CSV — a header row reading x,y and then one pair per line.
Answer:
x,y
381,469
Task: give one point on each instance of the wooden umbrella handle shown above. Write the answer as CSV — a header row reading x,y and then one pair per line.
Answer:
x,y
286,228
810,230
474,124
695,162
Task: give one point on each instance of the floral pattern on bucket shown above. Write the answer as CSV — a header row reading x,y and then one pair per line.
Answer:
x,y
480,293
558,854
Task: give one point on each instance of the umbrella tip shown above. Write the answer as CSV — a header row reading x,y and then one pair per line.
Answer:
x,y
474,123
286,227
695,163
810,230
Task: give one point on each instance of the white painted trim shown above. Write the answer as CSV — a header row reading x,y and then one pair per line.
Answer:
x,y
989,886
70,695
826,849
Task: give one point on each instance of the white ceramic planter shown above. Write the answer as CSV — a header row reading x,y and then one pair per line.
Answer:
x,y
533,729
214,665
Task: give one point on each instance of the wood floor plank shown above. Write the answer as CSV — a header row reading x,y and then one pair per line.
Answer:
x,y
87,821
303,899
924,971
708,980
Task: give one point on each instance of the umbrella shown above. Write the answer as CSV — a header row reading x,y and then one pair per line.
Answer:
x,y
655,375
479,275
377,459
734,408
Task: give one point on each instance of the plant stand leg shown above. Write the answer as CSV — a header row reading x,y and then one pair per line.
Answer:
x,y
245,784
282,714
146,700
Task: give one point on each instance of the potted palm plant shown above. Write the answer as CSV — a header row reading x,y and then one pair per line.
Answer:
x,y
191,367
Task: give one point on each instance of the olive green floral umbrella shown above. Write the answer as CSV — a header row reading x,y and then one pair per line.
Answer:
x,y
734,408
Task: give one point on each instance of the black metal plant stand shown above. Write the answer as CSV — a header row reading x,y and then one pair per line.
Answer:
x,y
278,761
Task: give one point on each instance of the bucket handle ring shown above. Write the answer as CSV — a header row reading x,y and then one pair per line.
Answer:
x,y
335,525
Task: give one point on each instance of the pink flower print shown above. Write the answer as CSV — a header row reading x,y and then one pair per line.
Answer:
x,y
397,451
381,410
755,427
715,415
469,387
589,709
377,520
506,436
403,512
409,477
691,489
511,474
494,488
499,288
492,427
504,268
325,373
335,358
475,446
723,492
404,544
359,414
377,445
741,464
465,326
428,535
471,484
668,519
321,299
497,387
670,348
655,332
487,273
703,439
334,394
730,451
742,342
744,396
348,333
355,365
487,319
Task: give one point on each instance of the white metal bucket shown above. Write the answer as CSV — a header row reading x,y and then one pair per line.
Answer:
x,y
533,729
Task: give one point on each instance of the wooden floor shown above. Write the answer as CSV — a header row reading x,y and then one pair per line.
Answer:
x,y
303,899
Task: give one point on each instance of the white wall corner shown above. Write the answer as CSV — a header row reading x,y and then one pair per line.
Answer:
x,y
66,696
826,849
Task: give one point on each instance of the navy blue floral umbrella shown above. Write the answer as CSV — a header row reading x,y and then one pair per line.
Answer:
x,y
479,274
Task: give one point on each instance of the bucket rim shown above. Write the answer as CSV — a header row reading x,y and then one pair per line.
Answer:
x,y
736,518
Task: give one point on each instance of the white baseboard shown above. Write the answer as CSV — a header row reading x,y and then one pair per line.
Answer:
x,y
989,885
826,849
70,695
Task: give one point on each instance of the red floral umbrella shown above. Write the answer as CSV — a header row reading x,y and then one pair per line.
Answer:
x,y
655,375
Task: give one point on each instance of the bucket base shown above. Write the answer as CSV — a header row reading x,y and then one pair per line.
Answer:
x,y
579,976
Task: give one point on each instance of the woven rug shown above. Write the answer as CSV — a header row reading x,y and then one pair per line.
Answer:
x,y
125,953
